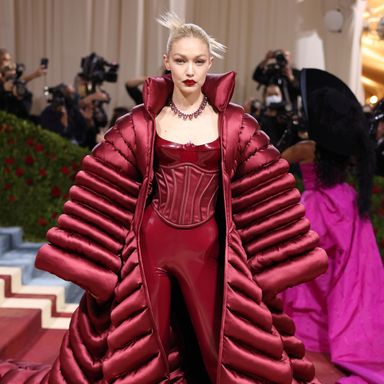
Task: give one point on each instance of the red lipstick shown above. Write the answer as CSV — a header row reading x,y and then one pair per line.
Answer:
x,y
189,83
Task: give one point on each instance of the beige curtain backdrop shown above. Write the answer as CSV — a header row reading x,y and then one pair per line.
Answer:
x,y
125,31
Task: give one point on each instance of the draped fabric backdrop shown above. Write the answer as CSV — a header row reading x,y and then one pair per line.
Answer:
x,y
125,31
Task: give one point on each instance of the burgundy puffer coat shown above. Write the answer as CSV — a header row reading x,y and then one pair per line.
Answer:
x,y
268,247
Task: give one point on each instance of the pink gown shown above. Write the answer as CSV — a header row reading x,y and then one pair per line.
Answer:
x,y
341,313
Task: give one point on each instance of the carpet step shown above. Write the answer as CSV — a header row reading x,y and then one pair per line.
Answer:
x,y
18,326
55,312
23,339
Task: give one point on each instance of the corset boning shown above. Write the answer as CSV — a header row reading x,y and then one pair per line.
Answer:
x,y
186,181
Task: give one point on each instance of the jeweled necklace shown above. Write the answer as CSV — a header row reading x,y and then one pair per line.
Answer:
x,y
189,116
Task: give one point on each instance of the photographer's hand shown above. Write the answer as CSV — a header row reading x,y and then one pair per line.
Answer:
x,y
268,56
8,86
287,71
40,71
96,96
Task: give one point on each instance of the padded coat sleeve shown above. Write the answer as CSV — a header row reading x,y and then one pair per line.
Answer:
x,y
86,244
282,250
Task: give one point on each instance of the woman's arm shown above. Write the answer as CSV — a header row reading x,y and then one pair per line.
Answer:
x,y
301,152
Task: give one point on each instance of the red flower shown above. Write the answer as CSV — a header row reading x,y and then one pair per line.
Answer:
x,y
9,160
7,186
75,166
42,172
50,156
55,191
29,160
66,196
42,221
64,170
19,171
7,170
29,181
39,148
30,142
11,198
376,189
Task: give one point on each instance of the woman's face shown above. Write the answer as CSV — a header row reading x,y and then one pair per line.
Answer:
x,y
189,61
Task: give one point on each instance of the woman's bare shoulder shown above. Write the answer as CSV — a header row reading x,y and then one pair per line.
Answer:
x,y
301,152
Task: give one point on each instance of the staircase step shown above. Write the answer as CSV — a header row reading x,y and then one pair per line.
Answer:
x,y
45,347
55,313
34,276
5,243
15,234
18,325
73,293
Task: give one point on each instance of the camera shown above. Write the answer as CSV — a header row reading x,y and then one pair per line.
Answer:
x,y
96,70
57,95
13,73
280,58
294,123
273,71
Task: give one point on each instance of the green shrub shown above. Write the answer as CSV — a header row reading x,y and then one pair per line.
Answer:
x,y
37,168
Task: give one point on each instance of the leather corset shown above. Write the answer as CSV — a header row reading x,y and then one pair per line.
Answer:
x,y
187,181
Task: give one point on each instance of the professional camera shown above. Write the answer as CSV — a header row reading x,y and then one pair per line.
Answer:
x,y
96,70
13,72
294,125
274,70
57,95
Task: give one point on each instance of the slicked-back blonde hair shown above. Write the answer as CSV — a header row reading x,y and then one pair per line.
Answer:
x,y
179,29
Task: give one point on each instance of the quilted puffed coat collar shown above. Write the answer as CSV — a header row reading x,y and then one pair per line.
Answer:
x,y
217,87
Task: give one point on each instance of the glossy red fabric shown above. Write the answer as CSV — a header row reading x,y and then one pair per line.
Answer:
x,y
267,246
187,181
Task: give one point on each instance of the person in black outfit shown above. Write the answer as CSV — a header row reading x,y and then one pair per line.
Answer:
x,y
132,87
15,97
270,117
276,68
377,134
64,117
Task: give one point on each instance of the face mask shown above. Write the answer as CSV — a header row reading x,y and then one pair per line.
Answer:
x,y
273,99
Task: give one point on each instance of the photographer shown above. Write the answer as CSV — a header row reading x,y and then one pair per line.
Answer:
x,y
270,116
15,98
64,116
283,127
132,86
95,70
14,95
277,68
377,134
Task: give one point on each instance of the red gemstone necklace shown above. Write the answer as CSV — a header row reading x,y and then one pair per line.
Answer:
x,y
189,116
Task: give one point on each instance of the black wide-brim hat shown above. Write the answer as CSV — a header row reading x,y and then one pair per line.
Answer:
x,y
334,116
